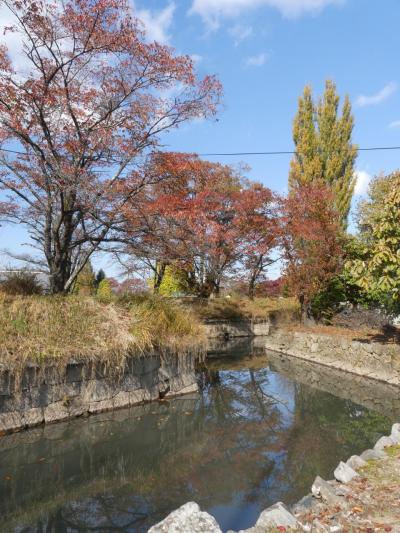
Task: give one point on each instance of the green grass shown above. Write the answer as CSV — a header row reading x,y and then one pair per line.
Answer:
x,y
393,451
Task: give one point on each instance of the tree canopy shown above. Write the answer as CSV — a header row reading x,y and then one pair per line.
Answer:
x,y
324,149
377,270
80,116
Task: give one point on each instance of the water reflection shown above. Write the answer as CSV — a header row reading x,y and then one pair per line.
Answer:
x,y
257,433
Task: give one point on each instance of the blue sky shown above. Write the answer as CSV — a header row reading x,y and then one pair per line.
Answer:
x,y
264,52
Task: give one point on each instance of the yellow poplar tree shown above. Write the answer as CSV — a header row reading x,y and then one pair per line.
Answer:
x,y
324,150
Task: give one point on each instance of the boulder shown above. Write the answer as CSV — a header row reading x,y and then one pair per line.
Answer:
x,y
305,504
383,443
395,435
373,455
322,489
355,462
276,515
344,473
188,518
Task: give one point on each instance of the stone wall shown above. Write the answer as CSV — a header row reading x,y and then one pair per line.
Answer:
x,y
227,329
370,359
375,395
48,395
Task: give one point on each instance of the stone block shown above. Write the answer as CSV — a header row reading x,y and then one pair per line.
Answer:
x,y
100,406
384,442
344,473
355,462
372,455
395,435
56,411
276,516
122,399
187,519
11,422
33,417
323,490
74,372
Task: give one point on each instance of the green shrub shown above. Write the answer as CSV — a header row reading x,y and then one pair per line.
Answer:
x,y
85,284
104,291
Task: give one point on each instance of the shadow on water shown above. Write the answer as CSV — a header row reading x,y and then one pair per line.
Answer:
x,y
259,431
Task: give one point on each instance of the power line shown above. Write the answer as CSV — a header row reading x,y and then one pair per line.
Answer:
x,y
226,154
292,152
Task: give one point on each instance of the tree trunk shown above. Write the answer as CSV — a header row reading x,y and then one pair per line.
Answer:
x,y
60,272
159,276
252,288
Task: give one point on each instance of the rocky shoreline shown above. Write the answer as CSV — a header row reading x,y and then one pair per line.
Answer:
x,y
332,506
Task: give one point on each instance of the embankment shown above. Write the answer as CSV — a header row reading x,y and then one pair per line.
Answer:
x,y
48,394
361,356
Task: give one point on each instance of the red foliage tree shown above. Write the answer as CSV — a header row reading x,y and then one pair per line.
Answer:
x,y
92,100
206,219
311,241
258,231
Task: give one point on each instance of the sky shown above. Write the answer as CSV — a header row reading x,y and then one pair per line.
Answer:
x,y
264,52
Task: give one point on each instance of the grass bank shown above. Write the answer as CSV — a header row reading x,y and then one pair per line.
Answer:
x,y
40,329
43,329
238,308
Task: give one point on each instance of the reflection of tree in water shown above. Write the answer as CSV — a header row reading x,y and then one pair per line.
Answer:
x,y
237,439
325,430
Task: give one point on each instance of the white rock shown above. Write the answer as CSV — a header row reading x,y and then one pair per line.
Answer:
x,y
383,443
188,518
322,489
276,515
344,473
355,462
372,455
395,435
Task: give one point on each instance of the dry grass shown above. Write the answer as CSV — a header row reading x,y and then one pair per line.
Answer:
x,y
241,308
39,329
165,325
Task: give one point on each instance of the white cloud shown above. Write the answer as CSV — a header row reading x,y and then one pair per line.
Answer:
x,y
240,32
196,58
12,40
257,60
378,97
212,10
157,23
395,124
363,179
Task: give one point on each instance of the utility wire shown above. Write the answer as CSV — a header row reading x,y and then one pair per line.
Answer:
x,y
292,152
242,154
277,152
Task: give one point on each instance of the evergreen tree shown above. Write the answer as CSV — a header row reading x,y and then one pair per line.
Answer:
x,y
100,276
324,151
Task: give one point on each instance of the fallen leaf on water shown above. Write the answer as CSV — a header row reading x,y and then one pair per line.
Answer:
x,y
7,478
188,413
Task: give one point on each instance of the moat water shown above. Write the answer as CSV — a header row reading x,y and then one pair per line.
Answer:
x,y
260,430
